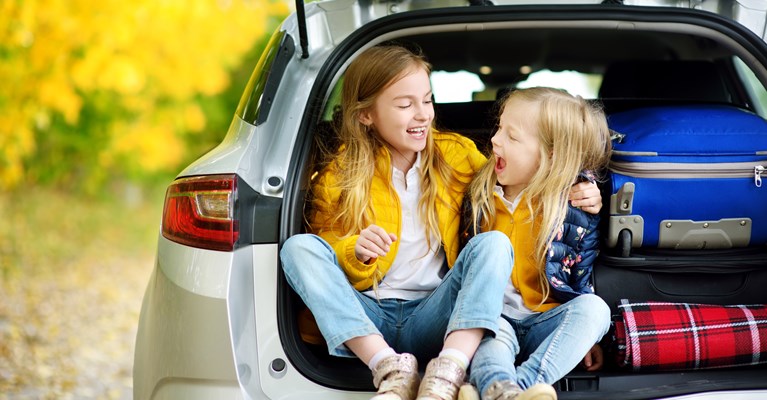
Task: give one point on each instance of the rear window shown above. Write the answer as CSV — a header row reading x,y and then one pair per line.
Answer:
x,y
463,86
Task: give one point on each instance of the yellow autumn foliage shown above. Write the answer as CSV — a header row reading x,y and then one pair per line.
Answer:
x,y
125,77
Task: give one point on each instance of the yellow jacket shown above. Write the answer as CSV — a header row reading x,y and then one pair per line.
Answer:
x,y
459,152
522,230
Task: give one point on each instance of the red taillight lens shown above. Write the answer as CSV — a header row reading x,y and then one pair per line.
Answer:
x,y
199,212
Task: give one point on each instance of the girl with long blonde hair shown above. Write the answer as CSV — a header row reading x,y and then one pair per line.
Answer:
x,y
546,140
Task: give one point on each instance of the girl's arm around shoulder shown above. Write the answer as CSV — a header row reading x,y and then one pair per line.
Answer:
x,y
586,196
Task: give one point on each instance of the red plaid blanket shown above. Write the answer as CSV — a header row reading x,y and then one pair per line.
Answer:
x,y
662,336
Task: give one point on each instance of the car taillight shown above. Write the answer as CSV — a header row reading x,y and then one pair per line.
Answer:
x,y
200,212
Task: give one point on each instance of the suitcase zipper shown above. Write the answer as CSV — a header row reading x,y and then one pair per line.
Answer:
x,y
689,170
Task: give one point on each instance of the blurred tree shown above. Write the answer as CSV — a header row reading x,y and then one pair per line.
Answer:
x,y
97,90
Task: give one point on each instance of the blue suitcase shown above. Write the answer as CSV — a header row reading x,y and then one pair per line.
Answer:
x,y
687,177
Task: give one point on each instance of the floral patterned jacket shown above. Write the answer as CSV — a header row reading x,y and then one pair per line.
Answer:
x,y
572,254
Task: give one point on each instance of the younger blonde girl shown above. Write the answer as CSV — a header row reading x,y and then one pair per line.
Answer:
x,y
546,141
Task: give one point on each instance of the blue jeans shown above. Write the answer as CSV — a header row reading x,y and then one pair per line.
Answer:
x,y
470,296
541,348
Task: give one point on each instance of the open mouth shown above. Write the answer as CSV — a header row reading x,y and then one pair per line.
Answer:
x,y
500,164
417,133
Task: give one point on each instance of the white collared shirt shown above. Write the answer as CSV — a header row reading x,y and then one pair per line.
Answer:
x,y
415,272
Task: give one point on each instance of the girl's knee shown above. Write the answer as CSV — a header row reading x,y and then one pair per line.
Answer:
x,y
303,250
291,245
298,244
494,244
594,310
495,240
598,305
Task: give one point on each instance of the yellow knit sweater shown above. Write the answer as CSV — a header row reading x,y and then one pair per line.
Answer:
x,y
522,230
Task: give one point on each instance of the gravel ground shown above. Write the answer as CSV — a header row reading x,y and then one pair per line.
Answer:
x,y
72,276
71,336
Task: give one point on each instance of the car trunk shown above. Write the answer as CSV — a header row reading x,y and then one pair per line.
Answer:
x,y
589,39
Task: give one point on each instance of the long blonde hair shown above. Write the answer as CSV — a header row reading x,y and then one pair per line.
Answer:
x,y
573,137
356,159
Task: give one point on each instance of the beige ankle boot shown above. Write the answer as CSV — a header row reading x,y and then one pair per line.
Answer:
x,y
442,379
396,378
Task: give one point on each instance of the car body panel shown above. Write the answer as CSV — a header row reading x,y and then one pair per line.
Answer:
x,y
179,313
210,324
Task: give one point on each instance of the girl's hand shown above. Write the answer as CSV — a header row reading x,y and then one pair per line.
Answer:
x,y
586,196
373,242
594,359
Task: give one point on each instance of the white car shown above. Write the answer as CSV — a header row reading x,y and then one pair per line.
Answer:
x,y
218,319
